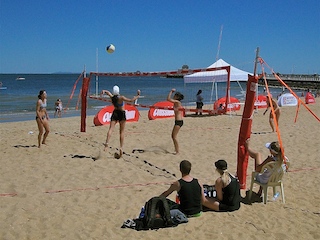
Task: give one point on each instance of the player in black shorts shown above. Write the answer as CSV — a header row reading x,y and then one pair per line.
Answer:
x,y
177,116
119,114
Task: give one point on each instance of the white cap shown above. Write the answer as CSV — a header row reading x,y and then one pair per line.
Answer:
x,y
116,90
273,146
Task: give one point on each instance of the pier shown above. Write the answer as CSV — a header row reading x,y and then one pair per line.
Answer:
x,y
297,81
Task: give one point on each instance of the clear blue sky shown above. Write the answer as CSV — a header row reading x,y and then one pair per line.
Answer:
x,y
42,36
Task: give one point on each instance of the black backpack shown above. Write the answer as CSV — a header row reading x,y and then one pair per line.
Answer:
x,y
157,214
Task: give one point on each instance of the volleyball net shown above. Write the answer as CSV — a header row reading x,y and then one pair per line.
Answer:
x,y
86,81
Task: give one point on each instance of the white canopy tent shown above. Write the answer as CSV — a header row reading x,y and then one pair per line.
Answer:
x,y
236,75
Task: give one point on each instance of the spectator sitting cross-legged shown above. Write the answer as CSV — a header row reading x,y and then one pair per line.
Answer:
x,y
189,191
227,189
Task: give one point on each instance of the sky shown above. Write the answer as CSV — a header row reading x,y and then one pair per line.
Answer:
x,y
42,36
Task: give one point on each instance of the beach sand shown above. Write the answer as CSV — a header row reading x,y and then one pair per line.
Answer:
x,y
72,189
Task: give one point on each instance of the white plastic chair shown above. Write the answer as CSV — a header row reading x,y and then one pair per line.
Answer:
x,y
277,172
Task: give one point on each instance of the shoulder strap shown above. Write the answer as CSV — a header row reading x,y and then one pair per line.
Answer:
x,y
167,215
151,210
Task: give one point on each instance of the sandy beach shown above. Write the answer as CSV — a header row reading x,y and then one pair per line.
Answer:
x,y
72,189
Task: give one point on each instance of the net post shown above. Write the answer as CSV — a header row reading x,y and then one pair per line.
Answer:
x,y
84,93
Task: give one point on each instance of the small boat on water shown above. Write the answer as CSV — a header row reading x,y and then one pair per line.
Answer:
x,y
20,78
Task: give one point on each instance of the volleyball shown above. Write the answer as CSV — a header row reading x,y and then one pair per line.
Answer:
x,y
111,48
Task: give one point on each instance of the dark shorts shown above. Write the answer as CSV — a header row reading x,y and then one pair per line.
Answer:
x,y
118,115
199,105
43,117
178,123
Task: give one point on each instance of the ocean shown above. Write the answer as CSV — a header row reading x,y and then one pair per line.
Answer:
x,y
18,100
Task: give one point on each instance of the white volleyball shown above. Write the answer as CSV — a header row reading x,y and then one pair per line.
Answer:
x,y
111,48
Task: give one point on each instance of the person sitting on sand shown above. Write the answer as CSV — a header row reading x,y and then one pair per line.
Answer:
x,y
220,109
227,189
118,115
176,100
276,112
189,191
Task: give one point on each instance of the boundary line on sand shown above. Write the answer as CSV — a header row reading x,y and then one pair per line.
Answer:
x,y
126,185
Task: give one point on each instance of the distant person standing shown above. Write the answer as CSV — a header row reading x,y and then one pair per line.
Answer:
x,y
42,117
199,102
177,116
276,112
58,108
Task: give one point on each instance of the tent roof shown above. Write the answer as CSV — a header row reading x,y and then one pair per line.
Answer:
x,y
219,75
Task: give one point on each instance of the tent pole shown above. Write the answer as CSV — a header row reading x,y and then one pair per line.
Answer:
x,y
216,90
212,88
228,90
240,87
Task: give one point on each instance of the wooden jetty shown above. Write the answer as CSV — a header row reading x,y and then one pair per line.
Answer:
x,y
296,81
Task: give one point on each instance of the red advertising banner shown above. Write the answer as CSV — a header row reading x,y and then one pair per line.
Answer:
x,y
309,98
104,115
260,102
166,110
233,105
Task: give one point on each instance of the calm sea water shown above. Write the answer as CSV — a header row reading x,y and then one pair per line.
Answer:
x,y
18,101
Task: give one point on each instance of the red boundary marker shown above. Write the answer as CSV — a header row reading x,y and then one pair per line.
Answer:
x,y
303,169
108,187
8,194
127,185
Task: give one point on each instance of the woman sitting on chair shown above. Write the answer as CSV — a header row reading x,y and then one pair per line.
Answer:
x,y
275,152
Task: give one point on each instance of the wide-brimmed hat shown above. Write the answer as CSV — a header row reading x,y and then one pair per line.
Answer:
x,y
221,164
273,146
116,90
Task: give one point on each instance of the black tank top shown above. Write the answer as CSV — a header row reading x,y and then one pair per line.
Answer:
x,y
231,195
190,197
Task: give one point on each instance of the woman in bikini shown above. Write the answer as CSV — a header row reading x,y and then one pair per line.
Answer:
x,y
42,117
276,111
177,115
118,115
